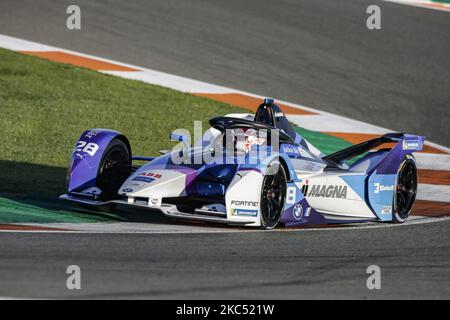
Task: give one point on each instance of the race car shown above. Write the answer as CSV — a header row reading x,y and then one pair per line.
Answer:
x,y
249,170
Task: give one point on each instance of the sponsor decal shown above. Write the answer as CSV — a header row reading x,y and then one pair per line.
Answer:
x,y
147,177
279,114
293,151
298,212
127,190
144,179
289,149
305,187
91,134
151,174
323,191
411,145
386,210
245,212
244,203
379,188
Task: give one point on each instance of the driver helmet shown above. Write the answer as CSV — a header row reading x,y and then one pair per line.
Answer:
x,y
246,138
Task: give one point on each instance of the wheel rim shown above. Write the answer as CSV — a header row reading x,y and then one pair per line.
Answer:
x,y
114,170
406,190
272,197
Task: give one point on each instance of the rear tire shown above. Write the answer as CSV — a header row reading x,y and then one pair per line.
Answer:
x,y
273,195
405,190
114,169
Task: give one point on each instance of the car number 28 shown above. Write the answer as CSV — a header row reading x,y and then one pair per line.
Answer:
x,y
89,148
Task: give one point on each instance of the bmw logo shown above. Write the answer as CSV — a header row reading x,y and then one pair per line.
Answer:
x,y
127,190
298,212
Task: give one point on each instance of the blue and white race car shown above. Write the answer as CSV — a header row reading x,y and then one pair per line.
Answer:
x,y
253,171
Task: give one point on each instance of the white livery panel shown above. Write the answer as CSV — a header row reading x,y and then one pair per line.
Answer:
x,y
243,197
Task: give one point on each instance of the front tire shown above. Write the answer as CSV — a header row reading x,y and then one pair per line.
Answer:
x,y
114,169
273,195
405,191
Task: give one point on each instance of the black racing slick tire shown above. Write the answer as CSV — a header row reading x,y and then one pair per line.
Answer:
x,y
114,169
273,195
405,190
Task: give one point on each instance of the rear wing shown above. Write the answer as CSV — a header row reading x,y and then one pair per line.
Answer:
x,y
409,144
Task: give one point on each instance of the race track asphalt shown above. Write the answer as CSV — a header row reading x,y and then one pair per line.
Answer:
x,y
414,262
314,52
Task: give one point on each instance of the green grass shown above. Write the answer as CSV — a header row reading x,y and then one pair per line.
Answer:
x,y
47,210
324,142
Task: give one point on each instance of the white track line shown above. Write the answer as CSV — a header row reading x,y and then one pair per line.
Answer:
x,y
170,81
327,123
423,4
146,228
432,192
433,161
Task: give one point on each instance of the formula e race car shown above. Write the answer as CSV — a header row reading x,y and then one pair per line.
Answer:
x,y
251,171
